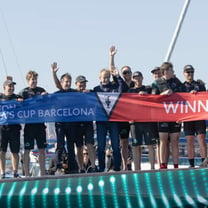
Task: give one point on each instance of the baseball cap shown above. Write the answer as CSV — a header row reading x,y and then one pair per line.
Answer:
x,y
188,67
81,78
137,73
9,82
155,69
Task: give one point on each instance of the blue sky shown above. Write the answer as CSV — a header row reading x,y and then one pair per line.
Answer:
x,y
78,34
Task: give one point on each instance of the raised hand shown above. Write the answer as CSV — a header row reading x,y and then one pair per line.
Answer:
x,y
112,51
54,67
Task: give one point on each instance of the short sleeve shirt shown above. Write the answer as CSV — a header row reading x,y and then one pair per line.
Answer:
x,y
194,85
31,92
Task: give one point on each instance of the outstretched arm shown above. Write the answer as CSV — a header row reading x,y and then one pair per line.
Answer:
x,y
54,69
112,53
113,69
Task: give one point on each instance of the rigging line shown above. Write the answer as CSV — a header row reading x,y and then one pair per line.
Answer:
x,y
12,46
4,63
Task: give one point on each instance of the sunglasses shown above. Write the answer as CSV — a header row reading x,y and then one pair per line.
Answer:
x,y
85,153
190,72
126,72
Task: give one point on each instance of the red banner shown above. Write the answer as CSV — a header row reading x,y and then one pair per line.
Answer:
x,y
153,108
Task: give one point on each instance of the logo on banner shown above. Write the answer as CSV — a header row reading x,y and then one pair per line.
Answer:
x,y
108,101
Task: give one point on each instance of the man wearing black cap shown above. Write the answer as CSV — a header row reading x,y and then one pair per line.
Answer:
x,y
9,134
84,132
193,128
140,130
157,75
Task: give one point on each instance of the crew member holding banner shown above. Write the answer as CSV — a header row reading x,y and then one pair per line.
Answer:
x,y
33,131
124,127
167,85
84,131
142,130
9,134
157,74
66,130
112,127
193,128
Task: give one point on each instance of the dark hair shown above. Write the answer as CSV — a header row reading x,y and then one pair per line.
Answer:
x,y
128,67
31,74
165,66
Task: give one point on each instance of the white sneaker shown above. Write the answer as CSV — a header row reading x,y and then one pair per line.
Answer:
x,y
59,172
204,163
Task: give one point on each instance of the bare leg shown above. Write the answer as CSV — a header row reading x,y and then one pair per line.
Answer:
x,y
190,146
163,147
168,150
151,156
26,162
174,138
15,162
202,145
137,157
158,153
80,157
124,152
42,161
2,162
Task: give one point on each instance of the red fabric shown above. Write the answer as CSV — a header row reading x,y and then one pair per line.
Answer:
x,y
151,108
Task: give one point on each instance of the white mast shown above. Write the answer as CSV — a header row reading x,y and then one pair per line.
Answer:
x,y
177,30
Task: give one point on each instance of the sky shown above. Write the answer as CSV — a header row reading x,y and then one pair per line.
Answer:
x,y
78,35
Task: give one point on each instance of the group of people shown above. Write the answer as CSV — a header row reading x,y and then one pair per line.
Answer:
x,y
81,134
10,134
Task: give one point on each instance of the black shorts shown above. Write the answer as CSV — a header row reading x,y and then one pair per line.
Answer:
x,y
192,128
140,131
169,127
124,129
34,132
84,131
154,129
10,135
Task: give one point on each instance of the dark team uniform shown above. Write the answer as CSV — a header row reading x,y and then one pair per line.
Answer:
x,y
35,131
68,130
124,127
85,131
160,86
140,130
10,134
194,127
